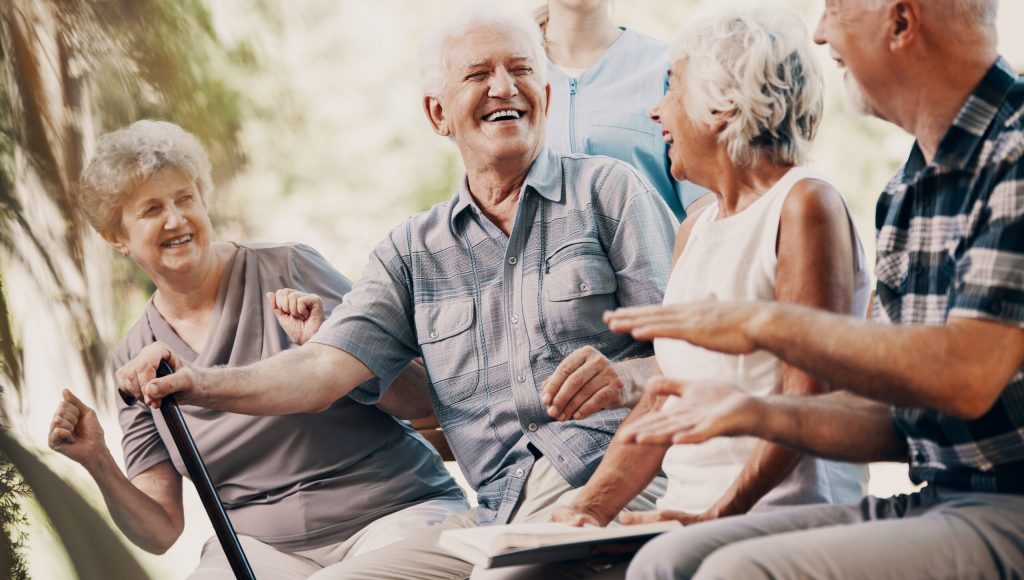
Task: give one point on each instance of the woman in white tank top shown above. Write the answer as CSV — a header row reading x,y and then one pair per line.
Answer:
x,y
744,102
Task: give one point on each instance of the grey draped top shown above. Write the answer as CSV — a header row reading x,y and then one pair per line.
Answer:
x,y
297,481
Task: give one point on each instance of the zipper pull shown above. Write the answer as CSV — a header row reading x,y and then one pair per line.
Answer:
x,y
572,86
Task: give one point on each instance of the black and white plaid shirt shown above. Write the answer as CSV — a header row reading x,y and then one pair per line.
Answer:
x,y
951,244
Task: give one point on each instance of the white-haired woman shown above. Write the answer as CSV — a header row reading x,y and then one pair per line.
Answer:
x,y
744,103
305,492
604,80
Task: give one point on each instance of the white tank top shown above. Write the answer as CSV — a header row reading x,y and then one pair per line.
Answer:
x,y
734,259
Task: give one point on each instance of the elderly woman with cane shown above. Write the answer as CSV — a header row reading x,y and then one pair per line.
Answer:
x,y
305,491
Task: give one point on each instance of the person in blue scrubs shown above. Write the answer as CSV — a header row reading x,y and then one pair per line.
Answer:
x,y
604,82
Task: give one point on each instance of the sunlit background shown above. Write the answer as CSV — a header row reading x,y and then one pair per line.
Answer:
x,y
312,112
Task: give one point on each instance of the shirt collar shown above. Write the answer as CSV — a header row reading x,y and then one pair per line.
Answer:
x,y
960,144
544,178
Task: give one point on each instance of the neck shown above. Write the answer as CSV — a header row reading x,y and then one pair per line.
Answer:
x,y
496,193
939,93
737,187
577,38
179,297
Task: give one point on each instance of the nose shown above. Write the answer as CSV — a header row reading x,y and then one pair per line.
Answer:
x,y
174,218
656,111
502,85
819,31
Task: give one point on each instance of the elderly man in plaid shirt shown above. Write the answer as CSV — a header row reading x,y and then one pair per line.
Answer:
x,y
936,379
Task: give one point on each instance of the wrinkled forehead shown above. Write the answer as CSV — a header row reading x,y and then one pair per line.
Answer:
x,y
487,45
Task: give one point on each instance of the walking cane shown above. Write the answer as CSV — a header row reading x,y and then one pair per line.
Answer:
x,y
200,478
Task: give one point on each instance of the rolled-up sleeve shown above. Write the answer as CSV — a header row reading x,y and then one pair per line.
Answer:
x,y
374,322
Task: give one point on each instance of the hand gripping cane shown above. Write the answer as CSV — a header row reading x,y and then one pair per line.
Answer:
x,y
201,478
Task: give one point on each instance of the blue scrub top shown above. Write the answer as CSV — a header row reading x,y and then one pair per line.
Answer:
x,y
606,111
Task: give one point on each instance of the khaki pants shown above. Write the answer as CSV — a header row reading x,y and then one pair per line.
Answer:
x,y
420,557
269,563
934,533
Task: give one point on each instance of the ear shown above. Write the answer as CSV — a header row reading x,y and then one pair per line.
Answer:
x,y
904,23
116,241
721,119
435,113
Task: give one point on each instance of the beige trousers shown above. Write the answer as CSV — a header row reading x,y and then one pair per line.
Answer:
x,y
269,563
420,558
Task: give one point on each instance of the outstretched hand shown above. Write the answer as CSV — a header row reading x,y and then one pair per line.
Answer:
x,y
711,324
704,410
299,313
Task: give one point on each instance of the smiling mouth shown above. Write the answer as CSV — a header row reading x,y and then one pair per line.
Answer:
x,y
667,137
503,115
178,241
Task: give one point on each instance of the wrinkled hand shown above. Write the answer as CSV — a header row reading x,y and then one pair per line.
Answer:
x,y
574,517
138,376
718,326
705,410
584,383
300,314
653,516
75,431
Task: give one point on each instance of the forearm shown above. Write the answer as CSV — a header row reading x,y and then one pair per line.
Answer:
x,y
769,464
302,380
950,370
141,518
837,426
624,472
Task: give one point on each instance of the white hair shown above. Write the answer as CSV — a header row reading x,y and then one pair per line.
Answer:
x,y
126,158
972,12
754,65
433,58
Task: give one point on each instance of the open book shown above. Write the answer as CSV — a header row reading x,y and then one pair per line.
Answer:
x,y
514,544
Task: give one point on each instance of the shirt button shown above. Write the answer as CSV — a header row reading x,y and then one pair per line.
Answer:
x,y
532,426
584,286
521,378
515,319
433,334
520,472
512,260
920,457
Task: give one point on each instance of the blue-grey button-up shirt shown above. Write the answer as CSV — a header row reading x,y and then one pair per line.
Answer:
x,y
492,316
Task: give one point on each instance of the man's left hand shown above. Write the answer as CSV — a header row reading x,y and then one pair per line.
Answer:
x,y
711,324
584,383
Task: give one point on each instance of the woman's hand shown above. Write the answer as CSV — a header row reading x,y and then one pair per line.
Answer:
x,y
705,410
299,313
573,516
652,516
76,432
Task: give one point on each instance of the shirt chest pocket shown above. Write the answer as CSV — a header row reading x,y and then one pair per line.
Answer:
x,y
579,285
444,331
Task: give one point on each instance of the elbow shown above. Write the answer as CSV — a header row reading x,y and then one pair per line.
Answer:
x,y
974,399
160,545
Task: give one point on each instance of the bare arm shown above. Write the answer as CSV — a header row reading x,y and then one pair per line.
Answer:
x,y
959,368
148,509
324,373
819,425
408,397
624,472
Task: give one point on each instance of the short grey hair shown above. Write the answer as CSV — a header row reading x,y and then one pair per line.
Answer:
x,y
433,58
126,158
973,12
754,64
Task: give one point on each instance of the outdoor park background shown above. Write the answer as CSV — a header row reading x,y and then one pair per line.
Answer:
x,y
312,113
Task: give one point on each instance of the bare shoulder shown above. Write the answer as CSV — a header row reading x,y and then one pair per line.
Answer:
x,y
812,202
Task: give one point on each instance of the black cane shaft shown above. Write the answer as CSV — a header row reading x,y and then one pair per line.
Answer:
x,y
204,485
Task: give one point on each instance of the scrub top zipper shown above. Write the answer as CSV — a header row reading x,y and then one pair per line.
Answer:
x,y
572,115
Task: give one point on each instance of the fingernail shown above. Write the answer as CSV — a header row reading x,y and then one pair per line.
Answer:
x,y
577,416
553,411
546,399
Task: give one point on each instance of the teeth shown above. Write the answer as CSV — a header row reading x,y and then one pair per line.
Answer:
x,y
668,138
178,241
506,113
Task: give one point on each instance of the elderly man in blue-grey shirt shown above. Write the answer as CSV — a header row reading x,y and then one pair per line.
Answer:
x,y
493,288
